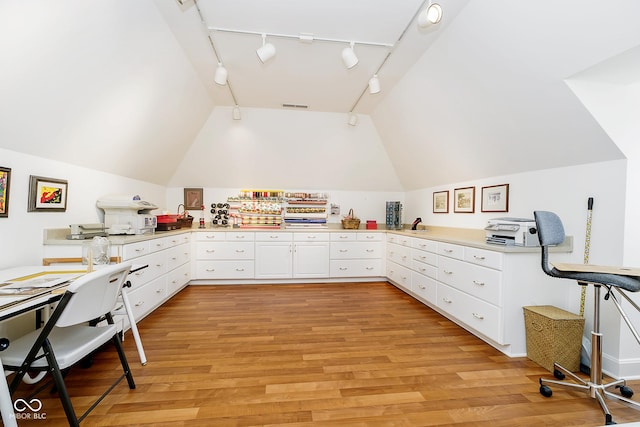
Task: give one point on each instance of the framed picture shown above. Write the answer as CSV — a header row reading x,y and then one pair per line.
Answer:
x,y
193,199
5,181
441,201
464,200
495,198
47,194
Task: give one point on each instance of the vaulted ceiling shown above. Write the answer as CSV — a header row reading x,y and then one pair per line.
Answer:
x,y
127,87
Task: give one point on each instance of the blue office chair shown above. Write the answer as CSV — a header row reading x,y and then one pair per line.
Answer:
x,y
551,232
71,334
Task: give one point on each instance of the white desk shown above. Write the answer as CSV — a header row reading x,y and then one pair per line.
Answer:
x,y
13,304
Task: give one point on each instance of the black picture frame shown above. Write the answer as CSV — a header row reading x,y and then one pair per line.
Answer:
x,y
47,194
5,186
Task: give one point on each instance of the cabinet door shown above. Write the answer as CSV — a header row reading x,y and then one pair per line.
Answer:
x,y
311,259
273,260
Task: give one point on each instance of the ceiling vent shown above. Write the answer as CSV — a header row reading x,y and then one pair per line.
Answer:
x,y
295,106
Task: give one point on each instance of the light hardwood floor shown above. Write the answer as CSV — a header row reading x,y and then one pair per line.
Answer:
x,y
352,354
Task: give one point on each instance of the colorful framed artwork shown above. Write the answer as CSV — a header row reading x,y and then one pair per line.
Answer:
x,y
5,182
495,198
464,200
441,201
47,194
193,199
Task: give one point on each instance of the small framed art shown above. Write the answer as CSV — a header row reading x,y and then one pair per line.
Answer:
x,y
464,200
5,181
47,194
193,199
495,198
441,201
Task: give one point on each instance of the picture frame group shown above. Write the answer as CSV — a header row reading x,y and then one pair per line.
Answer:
x,y
494,198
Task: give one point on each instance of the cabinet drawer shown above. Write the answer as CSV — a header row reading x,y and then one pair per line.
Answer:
x,y
484,283
134,250
158,244
225,250
425,287
399,274
224,269
178,239
425,257
344,236
310,237
177,256
369,237
354,250
453,251
210,236
483,257
399,254
239,236
146,298
425,245
356,268
479,315
274,237
156,267
178,278
425,269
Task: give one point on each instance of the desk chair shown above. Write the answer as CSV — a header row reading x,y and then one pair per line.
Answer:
x,y
67,337
613,279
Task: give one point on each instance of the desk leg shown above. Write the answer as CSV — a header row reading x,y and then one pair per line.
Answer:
x,y
134,327
6,404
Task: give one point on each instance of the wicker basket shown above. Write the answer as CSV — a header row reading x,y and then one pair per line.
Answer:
x,y
553,335
350,222
184,219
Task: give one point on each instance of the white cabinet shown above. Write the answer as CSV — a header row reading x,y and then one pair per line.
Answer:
x,y
356,254
285,255
482,290
224,255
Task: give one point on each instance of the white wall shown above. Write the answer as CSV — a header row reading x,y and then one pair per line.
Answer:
x,y
21,234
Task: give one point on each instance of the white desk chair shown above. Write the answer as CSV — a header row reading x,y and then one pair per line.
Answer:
x,y
67,337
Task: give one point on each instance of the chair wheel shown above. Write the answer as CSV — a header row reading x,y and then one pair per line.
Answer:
x,y
545,391
558,374
625,391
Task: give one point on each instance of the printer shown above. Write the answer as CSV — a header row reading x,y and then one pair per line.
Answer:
x,y
127,214
512,232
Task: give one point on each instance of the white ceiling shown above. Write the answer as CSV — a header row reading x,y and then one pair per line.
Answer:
x,y
306,73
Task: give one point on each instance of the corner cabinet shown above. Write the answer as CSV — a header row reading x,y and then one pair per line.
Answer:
x,y
480,289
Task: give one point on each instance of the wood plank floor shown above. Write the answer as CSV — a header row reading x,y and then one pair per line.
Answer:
x,y
354,354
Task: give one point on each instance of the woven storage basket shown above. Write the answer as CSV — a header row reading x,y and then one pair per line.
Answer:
x,y
553,335
350,222
184,219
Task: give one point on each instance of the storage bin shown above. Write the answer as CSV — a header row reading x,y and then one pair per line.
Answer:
x,y
553,335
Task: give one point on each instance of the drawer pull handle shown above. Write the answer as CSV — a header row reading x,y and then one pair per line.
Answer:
x,y
447,300
139,303
174,258
343,268
478,316
423,287
369,250
344,237
479,283
210,269
240,237
274,237
210,251
448,272
240,250
140,250
239,269
369,268
448,250
481,258
369,237
343,250
311,237
422,257
158,291
404,257
210,236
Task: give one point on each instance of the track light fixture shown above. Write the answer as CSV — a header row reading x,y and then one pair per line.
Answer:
x,y
374,84
353,119
349,56
266,51
221,74
432,14
236,113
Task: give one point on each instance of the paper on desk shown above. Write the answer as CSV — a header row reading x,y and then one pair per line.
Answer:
x,y
39,281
